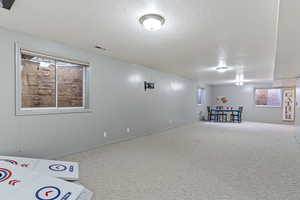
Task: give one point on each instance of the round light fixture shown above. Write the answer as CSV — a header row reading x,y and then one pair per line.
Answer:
x,y
239,80
152,22
222,69
240,83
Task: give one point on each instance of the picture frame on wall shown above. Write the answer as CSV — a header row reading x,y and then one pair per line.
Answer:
x,y
289,104
222,99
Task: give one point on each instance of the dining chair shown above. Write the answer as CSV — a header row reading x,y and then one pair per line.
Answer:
x,y
237,116
211,115
241,108
221,115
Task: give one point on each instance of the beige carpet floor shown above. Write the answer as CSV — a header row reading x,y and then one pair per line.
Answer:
x,y
209,161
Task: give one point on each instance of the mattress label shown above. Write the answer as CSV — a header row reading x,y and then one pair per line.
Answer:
x,y
59,169
21,183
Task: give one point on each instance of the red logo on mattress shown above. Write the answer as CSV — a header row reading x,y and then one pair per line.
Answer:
x,y
10,161
13,182
4,174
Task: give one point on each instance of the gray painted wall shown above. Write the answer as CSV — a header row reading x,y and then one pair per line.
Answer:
x,y
244,96
116,102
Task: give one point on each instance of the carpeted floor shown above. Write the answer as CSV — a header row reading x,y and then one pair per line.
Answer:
x,y
209,161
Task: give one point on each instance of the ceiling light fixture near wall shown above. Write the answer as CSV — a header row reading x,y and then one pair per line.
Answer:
x,y
152,22
239,83
222,69
176,86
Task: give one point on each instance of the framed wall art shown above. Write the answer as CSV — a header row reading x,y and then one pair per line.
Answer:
x,y
289,104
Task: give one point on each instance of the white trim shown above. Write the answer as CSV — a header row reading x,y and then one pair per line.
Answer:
x,y
267,106
47,111
56,85
57,58
19,49
18,90
84,87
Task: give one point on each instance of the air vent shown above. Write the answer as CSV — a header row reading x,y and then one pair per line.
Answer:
x,y
100,48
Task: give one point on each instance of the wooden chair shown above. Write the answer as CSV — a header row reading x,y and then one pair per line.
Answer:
x,y
237,116
221,115
211,115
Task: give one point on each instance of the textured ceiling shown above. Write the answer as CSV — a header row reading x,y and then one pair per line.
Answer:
x,y
196,36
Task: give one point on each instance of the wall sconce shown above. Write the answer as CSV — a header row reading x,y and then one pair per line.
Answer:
x,y
176,86
149,86
135,78
7,4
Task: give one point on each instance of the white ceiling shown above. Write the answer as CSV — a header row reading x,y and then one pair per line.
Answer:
x,y
287,64
196,36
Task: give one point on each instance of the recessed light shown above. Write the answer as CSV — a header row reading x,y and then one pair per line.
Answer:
x,y
152,22
222,69
240,83
239,80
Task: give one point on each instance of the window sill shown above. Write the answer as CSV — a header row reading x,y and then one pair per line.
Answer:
x,y
266,106
51,111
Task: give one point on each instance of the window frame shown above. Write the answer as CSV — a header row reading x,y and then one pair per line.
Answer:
x,y
19,49
268,106
202,97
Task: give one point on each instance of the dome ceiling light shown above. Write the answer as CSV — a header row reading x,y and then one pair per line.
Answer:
x,y
152,22
222,69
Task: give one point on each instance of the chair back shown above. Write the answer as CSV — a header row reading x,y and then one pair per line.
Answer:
x,y
208,109
220,107
241,109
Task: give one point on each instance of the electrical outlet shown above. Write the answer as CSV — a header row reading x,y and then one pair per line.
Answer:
x,y
105,134
127,130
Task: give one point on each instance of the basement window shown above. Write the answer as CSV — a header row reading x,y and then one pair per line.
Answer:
x,y
268,97
48,84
